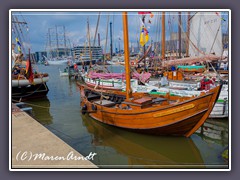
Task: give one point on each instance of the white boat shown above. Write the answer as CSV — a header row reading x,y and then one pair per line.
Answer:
x,y
116,60
57,61
220,109
189,88
63,73
23,88
100,78
25,82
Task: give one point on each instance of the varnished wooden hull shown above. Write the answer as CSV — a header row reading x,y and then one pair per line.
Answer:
x,y
179,118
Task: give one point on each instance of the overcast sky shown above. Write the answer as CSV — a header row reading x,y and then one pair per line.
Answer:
x,y
75,24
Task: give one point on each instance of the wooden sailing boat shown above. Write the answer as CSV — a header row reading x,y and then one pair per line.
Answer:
x,y
147,114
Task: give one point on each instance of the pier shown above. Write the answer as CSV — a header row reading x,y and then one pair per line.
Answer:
x,y
34,146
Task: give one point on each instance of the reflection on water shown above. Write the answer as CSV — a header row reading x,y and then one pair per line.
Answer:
x,y
116,147
144,150
40,110
215,131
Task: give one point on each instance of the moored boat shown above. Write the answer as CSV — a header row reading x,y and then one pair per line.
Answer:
x,y
57,61
24,88
41,78
27,82
147,114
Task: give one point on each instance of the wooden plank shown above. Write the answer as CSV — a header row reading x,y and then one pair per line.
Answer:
x,y
143,100
183,108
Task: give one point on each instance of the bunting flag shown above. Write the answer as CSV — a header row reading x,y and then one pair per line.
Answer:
x,y
151,15
29,72
143,36
19,45
144,13
219,16
223,19
19,49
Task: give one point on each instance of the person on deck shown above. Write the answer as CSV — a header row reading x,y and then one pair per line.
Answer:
x,y
225,66
173,68
75,67
85,68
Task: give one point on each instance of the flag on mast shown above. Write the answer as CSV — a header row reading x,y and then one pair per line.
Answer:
x,y
19,45
143,36
29,71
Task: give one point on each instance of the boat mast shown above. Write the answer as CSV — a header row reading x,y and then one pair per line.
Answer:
x,y
96,30
111,50
89,43
188,33
126,55
50,43
57,48
99,40
179,34
144,60
105,47
163,35
64,41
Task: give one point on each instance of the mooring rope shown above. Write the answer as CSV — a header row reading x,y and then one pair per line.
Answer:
x,y
52,108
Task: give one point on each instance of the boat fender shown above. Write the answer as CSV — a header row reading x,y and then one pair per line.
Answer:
x,y
94,107
81,79
119,101
84,109
116,99
111,98
153,90
86,93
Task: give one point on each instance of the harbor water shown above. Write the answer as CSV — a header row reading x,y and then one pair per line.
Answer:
x,y
60,112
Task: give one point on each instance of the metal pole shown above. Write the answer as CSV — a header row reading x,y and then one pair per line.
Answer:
x,y
111,51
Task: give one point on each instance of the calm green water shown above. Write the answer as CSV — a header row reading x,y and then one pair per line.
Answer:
x,y
117,148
